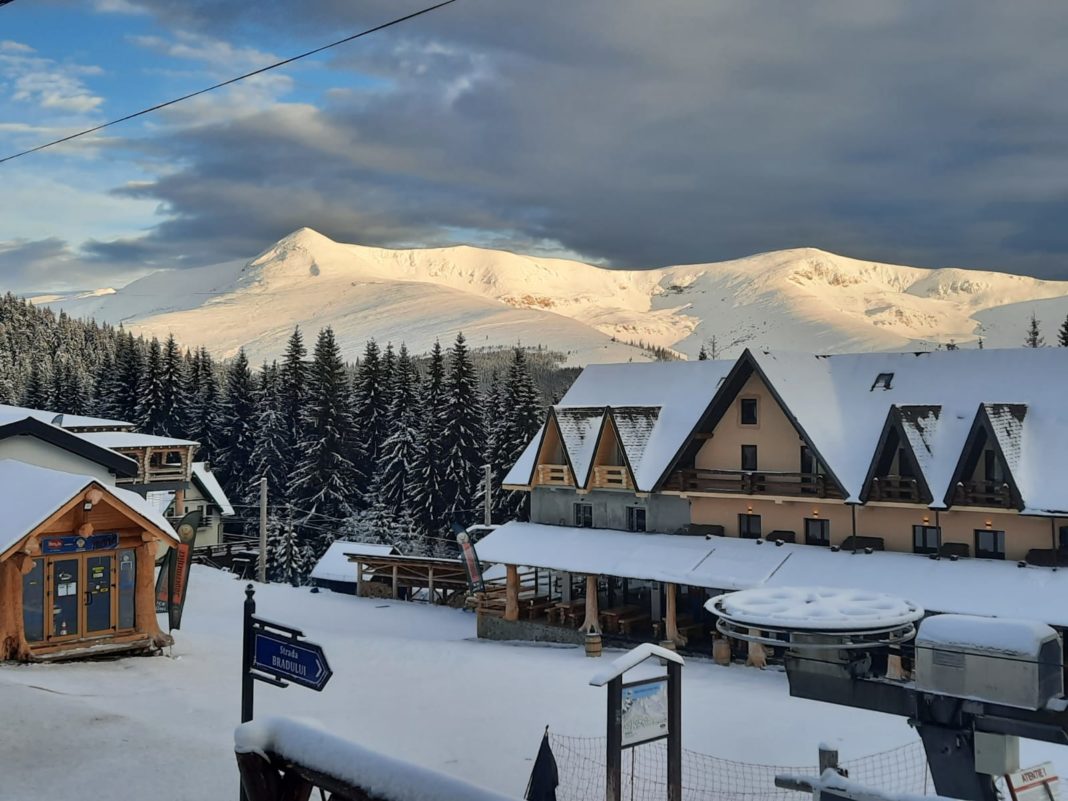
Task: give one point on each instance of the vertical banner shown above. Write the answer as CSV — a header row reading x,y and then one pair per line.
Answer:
x,y
173,579
475,581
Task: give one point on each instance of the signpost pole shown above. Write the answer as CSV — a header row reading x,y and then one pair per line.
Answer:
x,y
246,656
674,738
614,758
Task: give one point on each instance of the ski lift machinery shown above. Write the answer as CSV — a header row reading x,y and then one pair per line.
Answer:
x,y
979,684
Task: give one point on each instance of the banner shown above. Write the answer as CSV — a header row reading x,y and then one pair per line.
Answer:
x,y
475,582
173,579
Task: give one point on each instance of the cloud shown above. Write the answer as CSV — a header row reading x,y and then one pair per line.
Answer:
x,y
47,84
637,134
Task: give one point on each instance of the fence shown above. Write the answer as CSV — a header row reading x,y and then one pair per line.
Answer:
x,y
581,765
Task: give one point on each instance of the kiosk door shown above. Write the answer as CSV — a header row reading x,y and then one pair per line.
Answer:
x,y
66,599
97,594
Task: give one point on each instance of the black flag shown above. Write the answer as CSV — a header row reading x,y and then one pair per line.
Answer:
x,y
544,778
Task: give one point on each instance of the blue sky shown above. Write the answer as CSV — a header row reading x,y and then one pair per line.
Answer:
x,y
905,131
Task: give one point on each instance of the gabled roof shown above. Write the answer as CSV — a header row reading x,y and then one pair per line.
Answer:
x,y
29,495
916,427
634,425
66,440
580,429
73,422
1006,421
996,434
209,486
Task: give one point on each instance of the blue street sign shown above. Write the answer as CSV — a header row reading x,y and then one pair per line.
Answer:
x,y
284,657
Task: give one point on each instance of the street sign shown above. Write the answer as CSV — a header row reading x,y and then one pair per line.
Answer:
x,y
288,658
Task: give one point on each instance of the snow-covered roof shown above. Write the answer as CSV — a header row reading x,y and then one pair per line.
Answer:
x,y
836,403
654,405
335,565
815,608
211,488
68,421
30,494
631,659
727,563
133,439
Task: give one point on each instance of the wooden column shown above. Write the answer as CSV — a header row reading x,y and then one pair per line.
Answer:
x,y
359,579
394,582
671,625
511,597
592,623
430,585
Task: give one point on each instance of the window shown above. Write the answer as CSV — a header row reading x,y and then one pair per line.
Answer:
x,y
749,457
636,518
817,532
992,467
808,461
749,527
882,381
926,539
748,407
989,544
584,515
904,464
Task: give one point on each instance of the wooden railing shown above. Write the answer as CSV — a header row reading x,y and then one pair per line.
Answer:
x,y
611,477
895,488
743,482
554,474
982,493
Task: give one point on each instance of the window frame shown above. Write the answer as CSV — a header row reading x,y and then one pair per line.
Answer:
x,y
632,518
825,525
583,512
742,402
924,530
756,460
745,520
999,539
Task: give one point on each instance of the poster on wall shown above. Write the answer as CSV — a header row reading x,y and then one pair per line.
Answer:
x,y
645,711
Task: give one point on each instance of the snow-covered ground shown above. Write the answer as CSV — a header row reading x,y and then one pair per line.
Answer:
x,y
801,299
409,680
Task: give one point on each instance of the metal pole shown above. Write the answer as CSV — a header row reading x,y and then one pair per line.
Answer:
x,y
614,757
674,739
263,530
246,664
488,519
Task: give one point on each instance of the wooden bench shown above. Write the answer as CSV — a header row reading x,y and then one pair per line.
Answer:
x,y
536,608
628,622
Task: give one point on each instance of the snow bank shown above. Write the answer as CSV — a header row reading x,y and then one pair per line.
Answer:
x,y
989,634
307,744
819,608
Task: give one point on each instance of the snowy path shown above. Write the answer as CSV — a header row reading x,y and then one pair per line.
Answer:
x,y
409,681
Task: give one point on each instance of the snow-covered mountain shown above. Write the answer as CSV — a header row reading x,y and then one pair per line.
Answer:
x,y
800,299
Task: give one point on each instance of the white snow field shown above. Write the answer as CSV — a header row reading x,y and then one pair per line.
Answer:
x,y
410,681
801,299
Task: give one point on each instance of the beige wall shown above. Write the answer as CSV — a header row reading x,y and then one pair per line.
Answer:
x,y
778,443
892,523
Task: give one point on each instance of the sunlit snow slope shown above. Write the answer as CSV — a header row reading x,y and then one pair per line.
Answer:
x,y
801,299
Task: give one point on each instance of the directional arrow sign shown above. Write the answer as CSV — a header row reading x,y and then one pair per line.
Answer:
x,y
284,657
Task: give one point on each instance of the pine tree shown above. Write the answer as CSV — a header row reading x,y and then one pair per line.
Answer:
x,y
150,399
394,485
428,500
521,413
236,420
204,413
38,393
271,441
99,403
369,401
702,355
174,409
322,487
1034,337
123,383
292,388
1062,334
462,436
288,560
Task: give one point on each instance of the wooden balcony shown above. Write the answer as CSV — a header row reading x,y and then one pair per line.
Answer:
x,y
553,475
895,488
982,493
611,477
740,482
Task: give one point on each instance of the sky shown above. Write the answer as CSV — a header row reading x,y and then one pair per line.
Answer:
x,y
625,133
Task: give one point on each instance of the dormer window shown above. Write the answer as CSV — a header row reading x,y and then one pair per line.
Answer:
x,y
747,409
882,381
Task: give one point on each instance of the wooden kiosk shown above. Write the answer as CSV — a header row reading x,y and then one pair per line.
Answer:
x,y
77,566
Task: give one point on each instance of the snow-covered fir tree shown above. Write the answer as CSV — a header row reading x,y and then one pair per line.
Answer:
x,y
204,415
521,413
125,379
38,393
462,436
395,482
271,441
321,489
428,500
293,391
236,420
1034,337
150,393
173,381
288,559
369,403
1062,334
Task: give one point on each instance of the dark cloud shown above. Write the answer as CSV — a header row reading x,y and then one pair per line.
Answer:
x,y
645,133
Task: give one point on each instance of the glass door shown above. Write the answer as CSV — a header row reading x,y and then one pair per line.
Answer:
x,y
98,594
66,598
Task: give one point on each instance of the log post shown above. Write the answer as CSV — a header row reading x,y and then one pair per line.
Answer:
x,y
395,582
359,579
592,623
430,585
671,623
511,593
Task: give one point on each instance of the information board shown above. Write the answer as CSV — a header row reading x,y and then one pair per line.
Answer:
x,y
645,711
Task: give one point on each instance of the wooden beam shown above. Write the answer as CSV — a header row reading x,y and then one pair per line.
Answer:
x,y
430,585
394,582
511,598
592,623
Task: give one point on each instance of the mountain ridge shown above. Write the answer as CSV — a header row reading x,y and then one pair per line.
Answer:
x,y
803,298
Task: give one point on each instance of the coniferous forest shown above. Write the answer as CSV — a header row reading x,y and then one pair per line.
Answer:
x,y
390,449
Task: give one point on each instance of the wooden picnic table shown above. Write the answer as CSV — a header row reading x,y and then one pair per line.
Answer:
x,y
559,613
537,606
610,617
628,622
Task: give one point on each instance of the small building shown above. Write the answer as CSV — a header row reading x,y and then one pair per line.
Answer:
x,y
77,566
207,496
335,572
